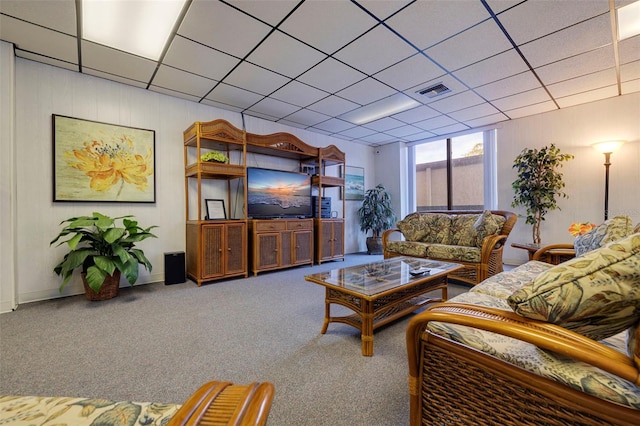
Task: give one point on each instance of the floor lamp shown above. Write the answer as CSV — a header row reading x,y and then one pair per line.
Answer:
x,y
607,148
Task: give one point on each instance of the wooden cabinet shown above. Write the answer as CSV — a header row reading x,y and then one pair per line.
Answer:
x,y
216,250
329,239
280,243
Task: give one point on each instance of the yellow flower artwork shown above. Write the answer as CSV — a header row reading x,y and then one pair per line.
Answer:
x,y
102,162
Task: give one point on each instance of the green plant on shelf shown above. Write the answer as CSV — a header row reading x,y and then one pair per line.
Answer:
x,y
215,157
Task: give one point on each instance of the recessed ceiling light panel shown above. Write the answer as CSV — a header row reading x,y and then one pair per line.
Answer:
x,y
379,109
629,20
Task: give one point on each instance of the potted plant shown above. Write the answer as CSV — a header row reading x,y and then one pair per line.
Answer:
x,y
376,215
539,183
103,249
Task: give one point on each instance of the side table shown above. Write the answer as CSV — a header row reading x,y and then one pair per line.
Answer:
x,y
551,255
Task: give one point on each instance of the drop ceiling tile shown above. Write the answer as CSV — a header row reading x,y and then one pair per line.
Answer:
x,y
403,131
575,40
181,81
334,125
285,55
221,105
531,110
331,76
327,25
583,84
486,121
409,72
56,15
235,96
575,66
482,41
456,102
530,97
631,86
416,114
333,106
492,69
425,23
47,60
550,16
499,6
383,9
307,117
366,91
217,25
589,96
269,11
365,54
419,136
629,49
300,94
509,86
111,77
459,127
357,132
378,138
116,62
173,93
473,112
38,40
255,79
435,122
210,63
274,108
292,124
630,71
384,124
260,115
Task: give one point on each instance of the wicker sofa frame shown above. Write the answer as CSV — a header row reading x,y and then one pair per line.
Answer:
x,y
452,384
491,250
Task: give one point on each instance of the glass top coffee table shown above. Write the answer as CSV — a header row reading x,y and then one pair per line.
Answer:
x,y
380,292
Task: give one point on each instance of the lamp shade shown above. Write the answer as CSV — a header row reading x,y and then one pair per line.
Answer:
x,y
607,146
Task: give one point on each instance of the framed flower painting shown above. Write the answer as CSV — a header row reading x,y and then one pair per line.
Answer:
x,y
95,161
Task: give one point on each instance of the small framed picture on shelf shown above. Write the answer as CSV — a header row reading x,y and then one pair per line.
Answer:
x,y
215,209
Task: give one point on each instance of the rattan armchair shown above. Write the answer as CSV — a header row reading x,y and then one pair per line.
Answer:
x,y
555,253
450,383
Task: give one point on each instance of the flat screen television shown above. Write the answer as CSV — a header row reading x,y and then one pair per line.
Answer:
x,y
278,194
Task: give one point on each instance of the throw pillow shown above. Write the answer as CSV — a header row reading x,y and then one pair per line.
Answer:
x,y
612,229
485,225
597,295
412,228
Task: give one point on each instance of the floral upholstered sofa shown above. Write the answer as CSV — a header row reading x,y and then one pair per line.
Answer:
x,y
541,344
474,239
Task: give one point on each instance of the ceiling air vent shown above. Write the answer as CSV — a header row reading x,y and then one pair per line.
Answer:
x,y
433,91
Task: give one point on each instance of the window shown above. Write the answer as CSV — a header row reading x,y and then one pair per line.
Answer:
x,y
455,181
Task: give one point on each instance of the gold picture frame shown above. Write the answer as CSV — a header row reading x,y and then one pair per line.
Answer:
x,y
101,162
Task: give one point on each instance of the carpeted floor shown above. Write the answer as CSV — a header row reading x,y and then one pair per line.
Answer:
x,y
160,343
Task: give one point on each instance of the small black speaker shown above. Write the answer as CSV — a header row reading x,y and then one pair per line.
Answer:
x,y
174,268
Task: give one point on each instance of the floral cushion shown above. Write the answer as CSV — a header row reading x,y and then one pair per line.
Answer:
x,y
612,229
438,228
504,284
462,231
597,294
407,248
38,410
488,224
412,228
453,253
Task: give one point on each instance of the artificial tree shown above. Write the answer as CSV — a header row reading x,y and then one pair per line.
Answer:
x,y
376,215
539,183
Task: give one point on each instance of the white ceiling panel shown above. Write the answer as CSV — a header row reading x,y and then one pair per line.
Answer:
x,y
221,105
631,86
174,93
450,129
523,99
211,63
416,114
308,117
435,122
333,106
334,125
492,69
575,66
47,60
487,120
384,124
300,94
419,136
217,25
285,55
331,76
235,96
629,49
403,131
357,132
531,110
365,53
630,71
269,11
115,62
590,96
112,77
473,45
327,25
366,91
256,79
383,9
456,102
274,108
481,110
425,23
59,15
182,81
410,72
42,41
509,86
583,84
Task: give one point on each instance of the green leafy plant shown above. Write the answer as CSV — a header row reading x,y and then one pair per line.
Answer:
x,y
376,213
99,246
215,156
539,183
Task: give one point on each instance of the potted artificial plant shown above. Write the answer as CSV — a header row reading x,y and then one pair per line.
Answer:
x,y
538,184
103,250
376,215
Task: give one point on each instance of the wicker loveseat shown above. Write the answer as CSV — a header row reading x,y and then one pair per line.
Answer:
x,y
473,238
541,344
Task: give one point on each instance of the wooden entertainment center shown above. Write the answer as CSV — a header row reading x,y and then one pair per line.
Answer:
x,y
231,246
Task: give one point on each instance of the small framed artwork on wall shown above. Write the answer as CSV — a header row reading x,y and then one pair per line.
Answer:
x,y
353,183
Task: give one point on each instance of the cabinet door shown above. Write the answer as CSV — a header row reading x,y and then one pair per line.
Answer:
x,y
338,239
236,239
212,251
268,251
302,246
326,239
286,254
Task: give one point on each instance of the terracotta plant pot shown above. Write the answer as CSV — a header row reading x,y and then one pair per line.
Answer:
x,y
110,287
